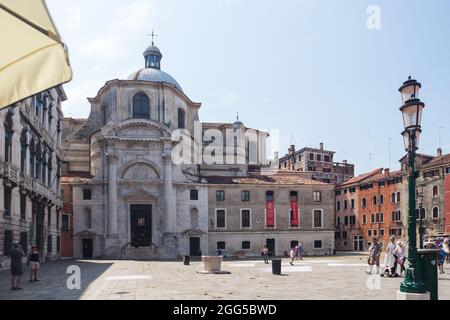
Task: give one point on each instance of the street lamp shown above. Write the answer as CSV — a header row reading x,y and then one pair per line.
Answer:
x,y
412,117
420,196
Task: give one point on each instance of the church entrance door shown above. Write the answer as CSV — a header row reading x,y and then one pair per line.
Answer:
x,y
141,225
194,247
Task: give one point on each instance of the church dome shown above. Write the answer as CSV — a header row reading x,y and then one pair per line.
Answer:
x,y
152,71
154,75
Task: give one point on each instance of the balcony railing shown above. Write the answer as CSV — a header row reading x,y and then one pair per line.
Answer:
x,y
11,173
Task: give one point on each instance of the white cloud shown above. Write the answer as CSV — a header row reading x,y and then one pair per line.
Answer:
x,y
77,105
110,45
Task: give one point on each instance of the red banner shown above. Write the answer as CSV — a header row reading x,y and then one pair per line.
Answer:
x,y
270,214
294,214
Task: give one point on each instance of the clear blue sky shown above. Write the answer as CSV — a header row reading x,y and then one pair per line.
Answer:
x,y
310,68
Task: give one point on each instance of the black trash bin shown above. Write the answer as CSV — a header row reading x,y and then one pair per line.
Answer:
x,y
428,259
276,267
186,260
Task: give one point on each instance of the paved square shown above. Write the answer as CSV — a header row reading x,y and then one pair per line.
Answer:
x,y
332,278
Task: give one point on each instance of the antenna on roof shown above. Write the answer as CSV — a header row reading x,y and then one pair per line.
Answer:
x,y
389,144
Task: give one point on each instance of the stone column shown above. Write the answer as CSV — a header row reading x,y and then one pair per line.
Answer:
x,y
170,201
112,195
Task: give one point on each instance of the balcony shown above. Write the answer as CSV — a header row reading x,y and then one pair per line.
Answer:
x,y
10,174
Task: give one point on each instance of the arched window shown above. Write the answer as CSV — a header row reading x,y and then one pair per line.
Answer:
x,y
398,197
23,150
141,106
364,202
181,119
435,191
32,158
381,199
37,171
381,217
435,213
104,114
9,132
374,200
393,197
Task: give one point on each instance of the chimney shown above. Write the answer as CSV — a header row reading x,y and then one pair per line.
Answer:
x,y
292,150
439,152
344,161
386,172
321,146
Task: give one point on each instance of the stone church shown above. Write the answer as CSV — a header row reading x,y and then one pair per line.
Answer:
x,y
128,198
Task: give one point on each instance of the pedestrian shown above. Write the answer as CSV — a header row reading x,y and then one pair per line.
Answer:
x,y
400,252
447,248
296,252
16,254
374,256
301,251
441,259
265,254
34,263
391,250
292,255
219,252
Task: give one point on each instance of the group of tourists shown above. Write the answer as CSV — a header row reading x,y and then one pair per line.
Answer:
x,y
396,256
296,253
33,262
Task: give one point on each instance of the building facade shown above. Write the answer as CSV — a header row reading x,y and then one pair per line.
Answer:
x,y
279,211
382,206
30,169
317,162
131,199
349,234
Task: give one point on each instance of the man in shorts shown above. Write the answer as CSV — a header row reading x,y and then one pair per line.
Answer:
x,y
374,256
17,254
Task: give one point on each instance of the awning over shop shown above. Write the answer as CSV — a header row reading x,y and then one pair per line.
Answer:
x,y
32,55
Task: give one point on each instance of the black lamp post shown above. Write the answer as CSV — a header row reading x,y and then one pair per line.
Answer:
x,y
420,197
412,117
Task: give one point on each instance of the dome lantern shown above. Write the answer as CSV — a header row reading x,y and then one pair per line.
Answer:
x,y
153,55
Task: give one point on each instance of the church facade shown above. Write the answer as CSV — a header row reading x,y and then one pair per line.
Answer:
x,y
131,199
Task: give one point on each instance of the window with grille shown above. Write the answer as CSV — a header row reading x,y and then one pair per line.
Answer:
x,y
221,245
245,196
318,223
49,244
246,245
220,219
7,245
245,218
194,195
220,195
24,241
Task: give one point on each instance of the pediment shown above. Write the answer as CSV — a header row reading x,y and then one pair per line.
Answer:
x,y
141,194
137,129
139,132
140,171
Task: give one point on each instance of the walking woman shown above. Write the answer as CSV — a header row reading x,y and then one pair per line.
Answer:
x,y
400,252
34,263
265,254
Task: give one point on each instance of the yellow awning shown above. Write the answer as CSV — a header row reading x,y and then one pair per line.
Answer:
x,y
32,55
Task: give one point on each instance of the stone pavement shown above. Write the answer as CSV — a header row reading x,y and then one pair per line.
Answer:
x,y
333,278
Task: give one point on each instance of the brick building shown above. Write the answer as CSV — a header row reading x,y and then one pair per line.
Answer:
x,y
317,162
349,235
